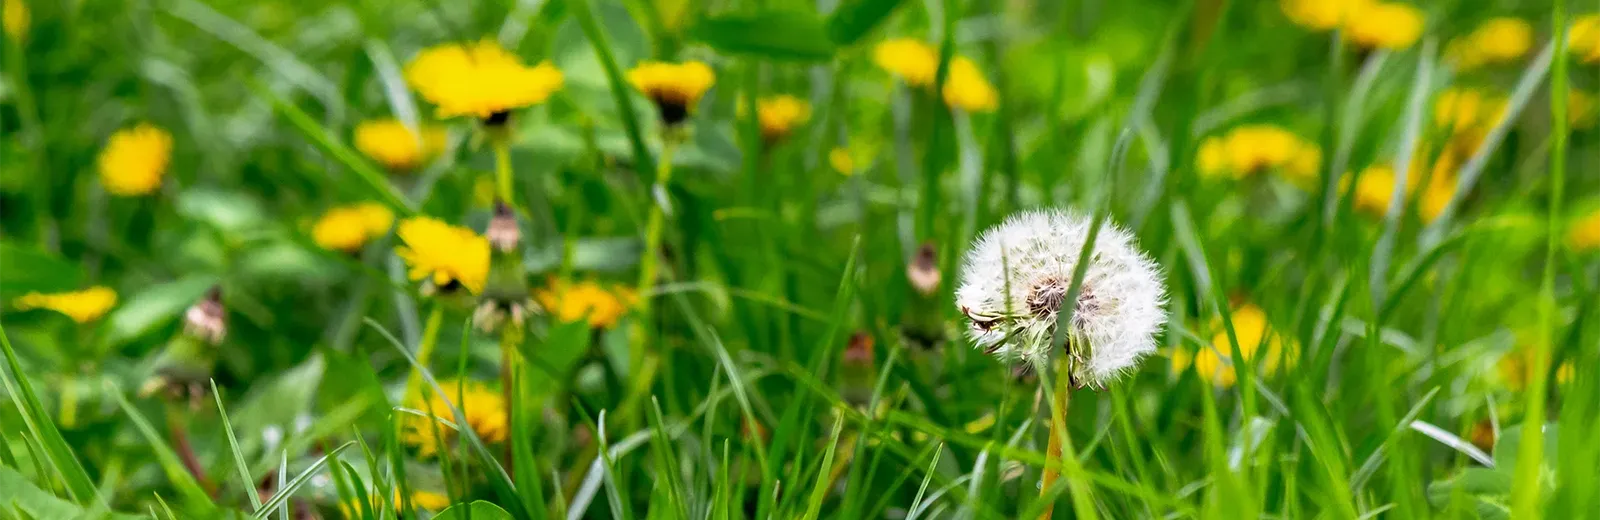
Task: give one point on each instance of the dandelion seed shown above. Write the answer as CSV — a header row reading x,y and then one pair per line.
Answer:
x,y
135,160
675,88
484,408
82,306
397,147
446,256
1015,280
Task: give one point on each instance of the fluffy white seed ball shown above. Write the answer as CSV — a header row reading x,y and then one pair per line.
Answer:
x,y
1017,274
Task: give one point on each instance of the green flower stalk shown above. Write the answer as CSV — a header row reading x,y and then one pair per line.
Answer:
x,y
505,296
184,366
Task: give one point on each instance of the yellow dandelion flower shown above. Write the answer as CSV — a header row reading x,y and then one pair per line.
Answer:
x,y
1583,38
1212,159
1584,232
1375,189
1251,149
395,146
675,88
914,62
444,254
1516,370
586,300
1257,343
348,228
16,19
1305,164
482,80
1467,108
82,306
839,158
778,115
1581,109
1320,15
484,408
966,88
135,159
1499,40
1384,26
426,500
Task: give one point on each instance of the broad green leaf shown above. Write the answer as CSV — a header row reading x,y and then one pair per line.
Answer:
x,y
229,211
477,510
42,427
783,35
25,268
155,305
853,20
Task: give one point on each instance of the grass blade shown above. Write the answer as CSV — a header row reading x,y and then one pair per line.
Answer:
x,y
233,447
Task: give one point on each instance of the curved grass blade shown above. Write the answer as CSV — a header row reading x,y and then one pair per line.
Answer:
x,y
281,498
233,446
80,488
325,141
170,464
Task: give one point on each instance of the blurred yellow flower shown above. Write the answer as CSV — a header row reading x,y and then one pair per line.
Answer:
x,y
1375,189
1581,109
1257,343
1583,38
82,306
480,79
1467,115
484,408
779,115
675,88
444,254
839,158
425,500
1516,369
1384,26
1584,232
570,302
135,159
348,228
1497,41
1250,149
913,61
16,15
966,88
396,147
1320,15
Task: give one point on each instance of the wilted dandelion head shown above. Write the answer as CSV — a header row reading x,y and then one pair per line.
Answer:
x,y
1584,232
1016,279
481,80
1497,41
1257,343
135,159
1583,38
484,408
82,306
1384,25
347,228
1320,15
966,88
913,61
675,88
397,147
779,115
586,301
443,254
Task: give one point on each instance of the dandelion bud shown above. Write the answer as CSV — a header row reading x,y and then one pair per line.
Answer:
x,y
502,232
924,270
857,375
206,319
1017,278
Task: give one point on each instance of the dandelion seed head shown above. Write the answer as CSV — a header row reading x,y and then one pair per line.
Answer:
x,y
1016,278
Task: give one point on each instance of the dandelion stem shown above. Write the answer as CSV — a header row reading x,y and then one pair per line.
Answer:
x,y
177,429
502,170
430,337
1058,430
648,263
510,337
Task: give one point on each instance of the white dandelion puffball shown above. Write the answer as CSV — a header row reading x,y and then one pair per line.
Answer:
x,y
1016,275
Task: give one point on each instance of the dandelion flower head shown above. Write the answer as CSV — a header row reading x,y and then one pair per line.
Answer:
x,y
1257,343
1017,275
135,159
841,161
586,300
1584,232
444,254
1252,149
396,146
484,408
675,88
16,19
1497,41
425,500
778,115
1583,38
1375,190
1581,109
1320,15
82,306
348,228
965,87
1516,369
481,79
913,61
1384,26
